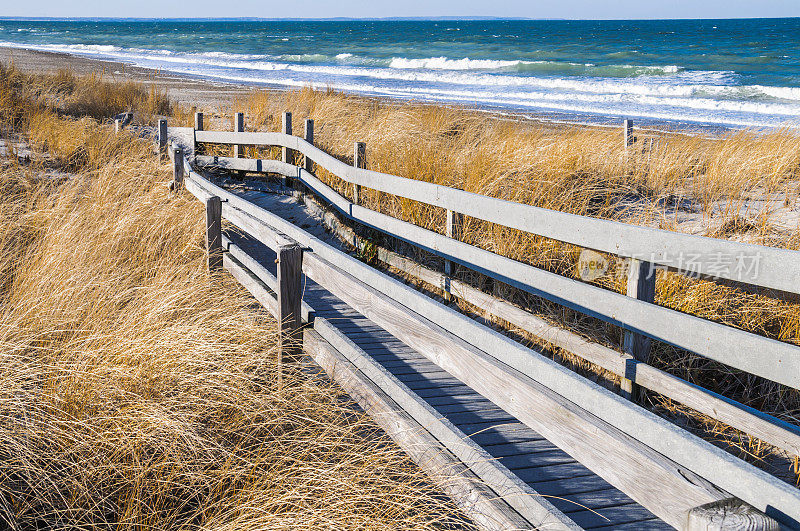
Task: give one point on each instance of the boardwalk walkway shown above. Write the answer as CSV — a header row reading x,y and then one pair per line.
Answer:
x,y
517,440
586,499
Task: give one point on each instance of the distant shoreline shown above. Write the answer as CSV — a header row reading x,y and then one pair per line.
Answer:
x,y
219,95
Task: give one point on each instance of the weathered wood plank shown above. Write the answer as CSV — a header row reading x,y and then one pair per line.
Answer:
x,y
286,127
163,136
290,264
615,456
238,126
454,229
732,514
177,169
454,478
739,478
641,286
522,498
214,234
778,268
359,161
749,420
779,362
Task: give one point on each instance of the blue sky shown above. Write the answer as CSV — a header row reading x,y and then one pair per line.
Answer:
x,y
574,9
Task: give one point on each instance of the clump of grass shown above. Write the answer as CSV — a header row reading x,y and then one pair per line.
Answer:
x,y
93,96
137,392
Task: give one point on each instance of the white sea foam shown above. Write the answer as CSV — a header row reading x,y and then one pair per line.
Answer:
x,y
664,92
443,63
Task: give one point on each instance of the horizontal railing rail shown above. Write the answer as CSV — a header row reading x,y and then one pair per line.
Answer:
x,y
727,472
776,361
768,267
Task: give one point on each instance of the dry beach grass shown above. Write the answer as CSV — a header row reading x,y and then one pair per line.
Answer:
x,y
135,391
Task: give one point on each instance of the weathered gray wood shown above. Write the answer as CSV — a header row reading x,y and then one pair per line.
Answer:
x,y
290,259
177,169
269,280
286,129
214,233
286,153
308,163
238,126
665,488
778,269
454,229
763,426
739,478
729,515
628,137
198,126
641,286
777,361
163,136
536,509
359,161
461,484
250,165
251,283
746,419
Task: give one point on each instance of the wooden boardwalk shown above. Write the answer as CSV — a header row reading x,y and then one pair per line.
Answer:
x,y
581,495
517,440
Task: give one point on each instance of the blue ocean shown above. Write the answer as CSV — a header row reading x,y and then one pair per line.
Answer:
x,y
727,73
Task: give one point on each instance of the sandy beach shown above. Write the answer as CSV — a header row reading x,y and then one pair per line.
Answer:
x,y
181,89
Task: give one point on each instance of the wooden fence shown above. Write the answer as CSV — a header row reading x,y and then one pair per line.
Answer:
x,y
777,270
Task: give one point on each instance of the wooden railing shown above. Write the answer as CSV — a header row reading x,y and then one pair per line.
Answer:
x,y
779,269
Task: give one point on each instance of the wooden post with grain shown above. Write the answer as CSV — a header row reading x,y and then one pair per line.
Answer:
x,y
309,136
198,126
641,286
455,230
162,136
286,153
177,169
731,514
238,126
628,134
359,161
307,162
290,262
214,233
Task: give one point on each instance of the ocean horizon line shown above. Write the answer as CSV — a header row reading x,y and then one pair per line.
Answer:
x,y
372,19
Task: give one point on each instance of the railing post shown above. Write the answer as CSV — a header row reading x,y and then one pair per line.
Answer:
x,y
162,136
455,229
642,286
290,266
214,233
198,126
309,135
308,164
359,161
238,126
177,169
628,134
286,129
